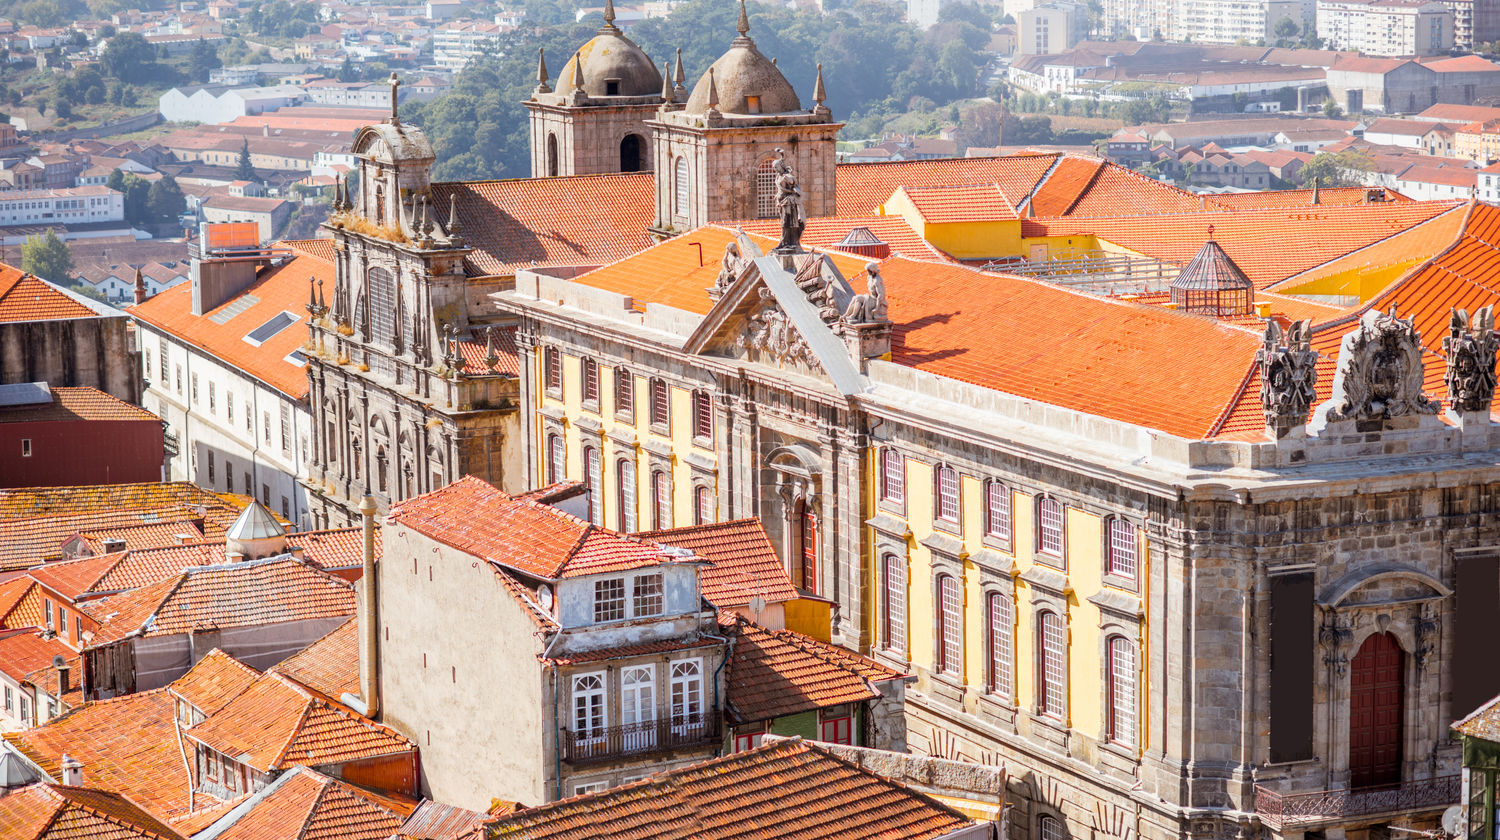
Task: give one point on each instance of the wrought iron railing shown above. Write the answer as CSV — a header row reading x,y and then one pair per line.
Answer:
x,y
1282,810
667,732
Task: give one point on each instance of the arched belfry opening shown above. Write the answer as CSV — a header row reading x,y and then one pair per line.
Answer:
x,y
631,149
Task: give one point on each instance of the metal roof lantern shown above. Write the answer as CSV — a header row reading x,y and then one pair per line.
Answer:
x,y
1211,284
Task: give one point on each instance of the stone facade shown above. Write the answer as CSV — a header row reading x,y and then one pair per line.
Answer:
x,y
98,352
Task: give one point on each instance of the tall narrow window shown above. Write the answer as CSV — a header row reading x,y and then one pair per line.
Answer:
x,y
286,428
1122,544
588,706
382,302
687,696
625,393
703,416
556,463
765,189
661,500
680,189
552,155
212,397
996,510
594,481
552,361
1049,527
161,346
1054,663
590,381
625,490
646,596
703,506
194,379
660,407
805,558
1002,645
1121,690
892,475
950,625
947,494
894,608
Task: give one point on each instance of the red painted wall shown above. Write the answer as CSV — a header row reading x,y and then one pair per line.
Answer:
x,y
81,452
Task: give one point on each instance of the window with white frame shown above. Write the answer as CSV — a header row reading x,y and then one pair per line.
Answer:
x,y
687,693
609,599
556,458
1122,703
625,489
1054,663
1002,645
589,713
1122,548
996,511
593,479
590,787
892,476
947,494
213,395
552,362
1049,527
646,596
625,393
894,613
950,625
661,500
703,507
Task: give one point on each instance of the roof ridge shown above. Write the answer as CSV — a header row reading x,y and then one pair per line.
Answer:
x,y
62,805
1458,239
291,737
324,785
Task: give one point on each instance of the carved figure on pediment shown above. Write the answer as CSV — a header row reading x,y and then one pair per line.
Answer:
x,y
1380,371
729,269
1288,374
789,206
1470,348
772,333
868,308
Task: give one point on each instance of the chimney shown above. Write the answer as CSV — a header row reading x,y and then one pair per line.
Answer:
x,y
72,771
113,544
369,616
60,662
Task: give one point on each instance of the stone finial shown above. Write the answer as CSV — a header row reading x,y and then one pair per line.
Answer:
x,y
322,304
395,84
140,286
312,295
1470,348
713,94
491,358
338,193
679,80
818,93
1380,371
609,17
1288,376
666,82
578,93
542,82
743,24
454,239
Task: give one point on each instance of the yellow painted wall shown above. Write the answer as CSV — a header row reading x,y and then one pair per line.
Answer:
x,y
986,239
1361,281
813,616
1060,247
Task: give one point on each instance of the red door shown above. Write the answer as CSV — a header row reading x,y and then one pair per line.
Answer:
x,y
1375,709
807,578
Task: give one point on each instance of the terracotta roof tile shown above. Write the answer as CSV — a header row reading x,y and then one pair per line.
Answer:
x,y
1409,247
862,187
329,666
76,403
31,541
23,652
436,821
779,791
1483,722
630,651
49,680
960,203
27,298
1117,191
743,561
473,349
1068,182
145,535
28,502
1327,197
55,812
12,593
215,680
341,548
307,805
781,672
825,233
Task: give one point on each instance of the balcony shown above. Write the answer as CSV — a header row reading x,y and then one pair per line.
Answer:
x,y
663,734
1282,811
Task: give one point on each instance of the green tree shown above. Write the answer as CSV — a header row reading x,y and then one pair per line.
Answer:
x,y
129,57
137,192
47,257
1286,31
164,200
203,59
1337,169
245,171
1331,109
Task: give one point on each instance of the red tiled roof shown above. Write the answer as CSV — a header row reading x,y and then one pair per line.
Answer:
x,y
28,502
283,288
436,821
277,723
342,548
824,233
76,403
307,805
785,790
12,593
145,535
329,666
781,672
631,651
743,561
27,542
864,186
1062,189
27,298
972,203
215,680
55,812
521,533
1327,196
246,594
25,651
473,349
1117,191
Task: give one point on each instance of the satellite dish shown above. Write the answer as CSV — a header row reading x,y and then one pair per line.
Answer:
x,y
544,595
1453,820
757,605
59,662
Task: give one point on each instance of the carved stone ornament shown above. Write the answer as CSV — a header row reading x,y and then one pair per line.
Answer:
x,y
1380,371
1470,348
869,308
789,206
730,268
1288,374
772,333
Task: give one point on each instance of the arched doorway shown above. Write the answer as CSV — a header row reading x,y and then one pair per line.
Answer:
x,y
552,155
1376,707
630,153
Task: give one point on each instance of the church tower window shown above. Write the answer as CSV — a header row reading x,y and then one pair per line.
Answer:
x,y
630,153
765,189
552,155
680,189
382,296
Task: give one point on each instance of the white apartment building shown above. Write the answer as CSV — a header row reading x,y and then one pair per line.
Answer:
x,y
1051,27
77,205
1230,21
1386,27
455,45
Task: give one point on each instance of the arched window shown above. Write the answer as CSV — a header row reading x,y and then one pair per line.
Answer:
x,y
680,188
594,480
703,506
661,500
382,302
380,470
1050,828
556,463
1002,645
625,492
947,494
892,476
1052,656
765,189
551,154
950,626
1121,676
1049,530
630,153
893,612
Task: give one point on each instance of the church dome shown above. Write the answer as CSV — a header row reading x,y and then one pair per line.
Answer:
x,y
746,82
612,66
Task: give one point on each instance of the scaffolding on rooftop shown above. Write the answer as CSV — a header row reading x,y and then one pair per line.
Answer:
x,y
1098,272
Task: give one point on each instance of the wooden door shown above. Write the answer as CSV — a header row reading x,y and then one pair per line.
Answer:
x,y
1376,705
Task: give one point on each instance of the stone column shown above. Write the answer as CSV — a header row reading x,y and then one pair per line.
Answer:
x,y
526,355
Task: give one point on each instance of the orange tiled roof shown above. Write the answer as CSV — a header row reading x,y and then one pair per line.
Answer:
x,y
780,791
329,666
824,233
436,821
280,289
27,298
55,812
743,561
144,535
307,805
781,672
25,651
277,723
862,187
1117,191
340,548
76,403
215,680
30,541
521,533
49,680
1327,197
12,593
473,348
1415,244
1067,183
961,203
28,502
246,594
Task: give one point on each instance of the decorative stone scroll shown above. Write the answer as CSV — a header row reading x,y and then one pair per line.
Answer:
x,y
772,333
1288,375
1380,371
1470,348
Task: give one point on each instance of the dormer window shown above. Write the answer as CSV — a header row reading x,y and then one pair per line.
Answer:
x,y
647,596
611,87
752,104
609,599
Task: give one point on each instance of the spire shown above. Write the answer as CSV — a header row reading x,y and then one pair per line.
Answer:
x,y
140,287
743,25
491,358
338,193
666,82
454,239
312,295
577,80
713,93
322,304
818,93
541,72
609,17
679,81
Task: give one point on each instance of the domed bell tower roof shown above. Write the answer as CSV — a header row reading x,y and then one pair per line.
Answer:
x,y
745,81
612,65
